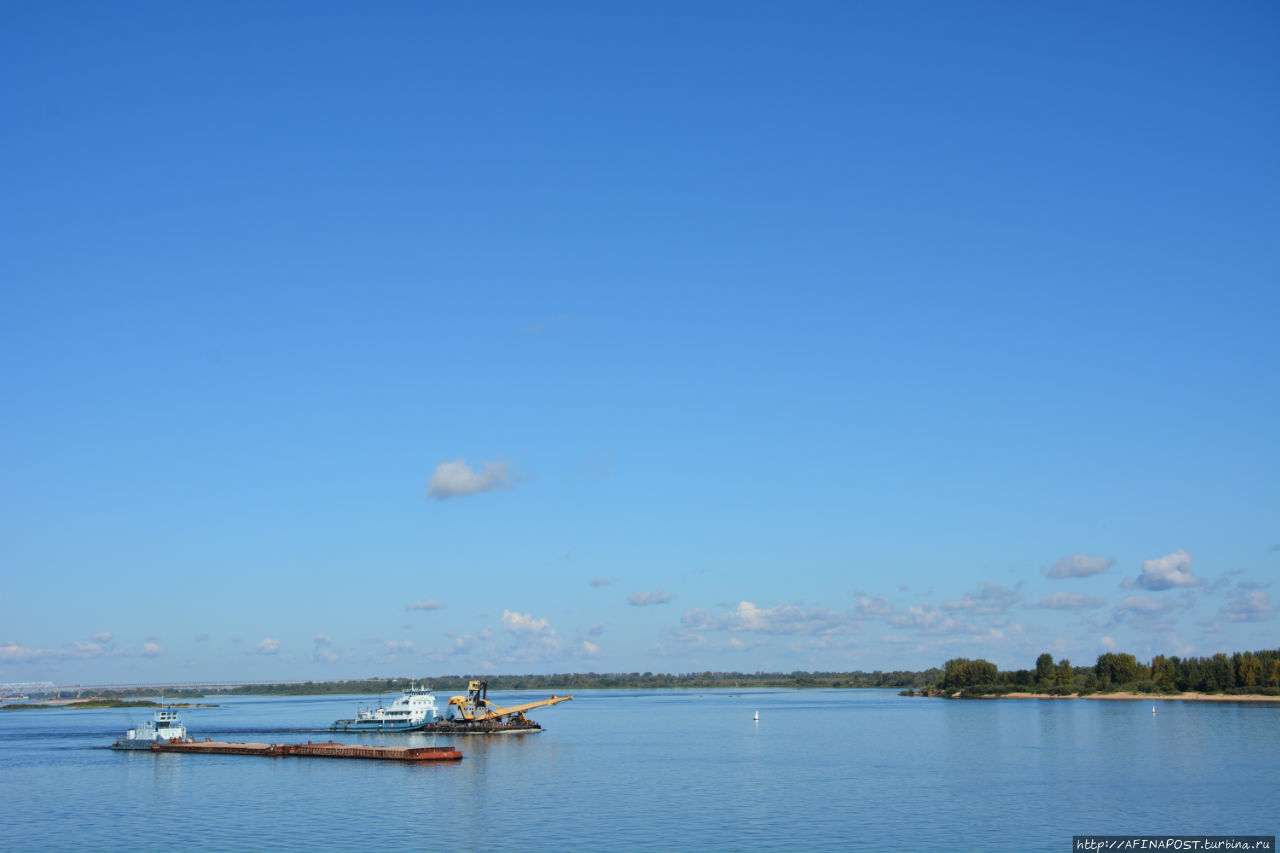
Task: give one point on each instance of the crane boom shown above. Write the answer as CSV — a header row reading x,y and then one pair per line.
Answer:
x,y
475,706
494,711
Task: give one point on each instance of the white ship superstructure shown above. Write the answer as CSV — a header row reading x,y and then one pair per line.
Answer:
x,y
413,710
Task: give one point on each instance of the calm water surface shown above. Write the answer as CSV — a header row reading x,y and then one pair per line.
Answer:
x,y
660,770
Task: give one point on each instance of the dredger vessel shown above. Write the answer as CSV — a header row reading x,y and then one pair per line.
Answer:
x,y
472,714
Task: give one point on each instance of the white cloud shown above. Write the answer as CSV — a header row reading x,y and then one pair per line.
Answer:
x,y
461,645
1145,604
425,604
537,642
782,619
455,479
11,652
268,646
1250,607
15,653
1108,643
322,640
990,600
873,606
523,625
1167,572
103,637
928,619
1143,608
644,599
599,582
396,647
323,655
1078,566
1070,601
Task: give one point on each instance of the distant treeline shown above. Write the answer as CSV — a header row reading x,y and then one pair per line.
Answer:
x,y
568,681
1242,673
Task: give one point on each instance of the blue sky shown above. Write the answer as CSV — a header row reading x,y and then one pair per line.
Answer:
x,y
410,339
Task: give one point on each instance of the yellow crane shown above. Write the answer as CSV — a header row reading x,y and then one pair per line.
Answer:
x,y
476,707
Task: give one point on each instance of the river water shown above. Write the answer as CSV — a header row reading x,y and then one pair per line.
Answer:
x,y
659,770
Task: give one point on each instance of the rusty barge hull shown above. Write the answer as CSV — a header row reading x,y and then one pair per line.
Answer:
x,y
314,750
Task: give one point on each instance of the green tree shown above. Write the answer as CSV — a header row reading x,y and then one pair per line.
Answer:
x,y
1044,668
1118,669
1247,670
1164,672
1064,673
1223,674
959,673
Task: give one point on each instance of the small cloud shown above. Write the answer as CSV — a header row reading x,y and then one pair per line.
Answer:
x,y
323,655
1070,601
644,599
322,640
1222,581
595,630
396,647
927,619
425,604
524,625
1249,607
872,606
1078,566
150,650
782,619
103,637
599,582
14,653
1143,607
455,479
589,648
990,600
268,646
1107,643
1167,572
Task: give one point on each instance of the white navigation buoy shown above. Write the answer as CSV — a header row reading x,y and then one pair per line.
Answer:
x,y
757,716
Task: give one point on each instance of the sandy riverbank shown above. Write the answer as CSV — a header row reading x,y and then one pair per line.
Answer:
x,y
1160,697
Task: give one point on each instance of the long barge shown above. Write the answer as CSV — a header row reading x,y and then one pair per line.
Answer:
x,y
166,733
330,749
